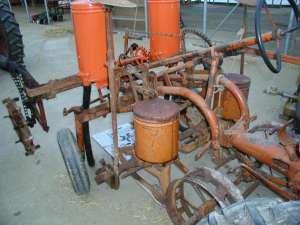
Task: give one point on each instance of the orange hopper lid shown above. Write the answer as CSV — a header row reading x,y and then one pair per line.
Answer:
x,y
85,5
117,3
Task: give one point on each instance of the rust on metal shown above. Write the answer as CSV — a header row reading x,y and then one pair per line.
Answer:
x,y
289,143
230,47
276,156
239,97
156,110
202,106
161,172
53,87
113,94
210,186
133,86
211,79
79,135
20,126
156,130
229,105
140,56
283,193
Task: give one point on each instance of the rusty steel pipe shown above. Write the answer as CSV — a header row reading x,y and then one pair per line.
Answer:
x,y
211,80
202,106
231,46
274,156
267,154
172,69
268,183
295,60
238,95
112,88
124,62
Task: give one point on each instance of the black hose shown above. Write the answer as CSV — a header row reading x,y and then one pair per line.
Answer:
x,y
86,128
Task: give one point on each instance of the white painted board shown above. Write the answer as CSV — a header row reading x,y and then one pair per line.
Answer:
x,y
125,138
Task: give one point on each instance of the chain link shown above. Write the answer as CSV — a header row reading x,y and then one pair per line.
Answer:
x,y
149,34
19,82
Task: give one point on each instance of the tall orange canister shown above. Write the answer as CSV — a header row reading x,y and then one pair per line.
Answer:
x,y
164,17
91,46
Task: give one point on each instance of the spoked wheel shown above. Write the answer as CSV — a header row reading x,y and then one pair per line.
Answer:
x,y
11,44
197,194
74,163
261,6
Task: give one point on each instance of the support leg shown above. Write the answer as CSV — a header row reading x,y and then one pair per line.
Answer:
x,y
86,127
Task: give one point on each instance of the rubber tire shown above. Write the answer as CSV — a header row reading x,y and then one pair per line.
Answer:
x,y
258,211
74,163
12,33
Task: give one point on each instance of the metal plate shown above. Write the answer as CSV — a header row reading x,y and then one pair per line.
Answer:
x,y
247,2
156,109
117,3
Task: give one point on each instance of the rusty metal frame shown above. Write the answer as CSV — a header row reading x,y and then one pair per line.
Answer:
x,y
176,78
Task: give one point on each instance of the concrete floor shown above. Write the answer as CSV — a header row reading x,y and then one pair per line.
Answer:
x,y
36,190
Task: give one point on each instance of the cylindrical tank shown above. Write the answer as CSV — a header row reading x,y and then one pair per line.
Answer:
x,y
91,46
164,28
230,107
156,124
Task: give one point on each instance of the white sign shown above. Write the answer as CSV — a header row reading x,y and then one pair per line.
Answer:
x,y
125,138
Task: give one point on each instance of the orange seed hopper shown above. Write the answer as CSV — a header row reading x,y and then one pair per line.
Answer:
x,y
164,17
91,46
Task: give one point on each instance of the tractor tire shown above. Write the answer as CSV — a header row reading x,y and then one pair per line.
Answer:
x,y
74,162
11,43
259,211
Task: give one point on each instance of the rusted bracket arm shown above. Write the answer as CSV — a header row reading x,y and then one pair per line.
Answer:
x,y
85,115
283,193
53,87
